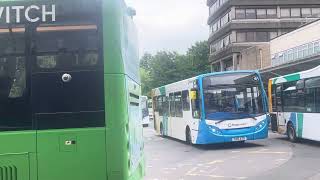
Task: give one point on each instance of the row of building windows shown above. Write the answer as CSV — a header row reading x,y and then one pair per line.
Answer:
x,y
173,105
225,65
249,36
300,52
298,96
271,13
299,12
221,22
215,6
261,36
267,13
256,13
221,44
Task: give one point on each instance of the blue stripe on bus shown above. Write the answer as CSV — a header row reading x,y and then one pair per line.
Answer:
x,y
206,134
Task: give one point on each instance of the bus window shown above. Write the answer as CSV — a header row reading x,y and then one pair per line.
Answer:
x,y
279,98
165,106
274,99
14,102
313,95
195,104
185,101
178,104
155,100
293,101
160,106
171,100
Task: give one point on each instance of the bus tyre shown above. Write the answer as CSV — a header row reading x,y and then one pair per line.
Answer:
x,y
291,132
188,136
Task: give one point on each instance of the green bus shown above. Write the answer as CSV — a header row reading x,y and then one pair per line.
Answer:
x,y
69,91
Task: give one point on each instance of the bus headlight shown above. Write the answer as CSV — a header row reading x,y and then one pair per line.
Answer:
x,y
215,130
261,124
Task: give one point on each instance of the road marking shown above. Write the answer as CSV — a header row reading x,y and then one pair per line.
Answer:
x,y
186,164
235,151
170,169
215,162
262,152
192,172
218,176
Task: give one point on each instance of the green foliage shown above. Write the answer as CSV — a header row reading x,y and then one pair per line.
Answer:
x,y
168,67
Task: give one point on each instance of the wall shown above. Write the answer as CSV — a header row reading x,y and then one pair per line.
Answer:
x,y
256,57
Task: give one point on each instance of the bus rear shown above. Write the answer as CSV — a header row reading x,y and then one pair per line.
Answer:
x,y
234,108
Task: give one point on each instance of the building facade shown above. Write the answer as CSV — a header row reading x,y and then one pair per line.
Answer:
x,y
293,52
255,57
238,25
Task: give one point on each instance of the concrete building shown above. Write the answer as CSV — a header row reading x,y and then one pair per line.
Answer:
x,y
255,57
296,51
236,25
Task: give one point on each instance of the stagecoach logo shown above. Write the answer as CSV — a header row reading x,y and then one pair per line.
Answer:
x,y
255,78
32,13
236,125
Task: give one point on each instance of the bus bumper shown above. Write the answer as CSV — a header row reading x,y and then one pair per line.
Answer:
x,y
208,135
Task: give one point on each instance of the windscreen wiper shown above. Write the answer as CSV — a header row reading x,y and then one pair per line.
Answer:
x,y
221,121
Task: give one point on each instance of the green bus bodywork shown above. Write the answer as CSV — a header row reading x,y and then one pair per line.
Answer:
x,y
113,152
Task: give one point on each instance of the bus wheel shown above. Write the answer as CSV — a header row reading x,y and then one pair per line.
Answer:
x,y
188,136
161,130
291,132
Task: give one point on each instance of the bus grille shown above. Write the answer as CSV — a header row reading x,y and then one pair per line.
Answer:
x,y
8,173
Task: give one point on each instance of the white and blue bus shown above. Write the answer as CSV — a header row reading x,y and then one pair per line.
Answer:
x,y
295,106
213,108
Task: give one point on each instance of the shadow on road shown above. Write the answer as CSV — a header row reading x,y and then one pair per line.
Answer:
x,y
220,146
301,141
228,146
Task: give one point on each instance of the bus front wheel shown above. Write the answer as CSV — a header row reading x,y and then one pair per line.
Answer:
x,y
291,132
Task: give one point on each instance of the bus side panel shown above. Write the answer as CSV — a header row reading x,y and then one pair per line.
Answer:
x,y
308,124
124,130
71,154
135,130
117,127
283,119
18,153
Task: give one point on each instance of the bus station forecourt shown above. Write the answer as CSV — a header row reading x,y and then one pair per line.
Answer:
x,y
71,106
69,91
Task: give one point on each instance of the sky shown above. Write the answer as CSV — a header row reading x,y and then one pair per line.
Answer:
x,y
173,25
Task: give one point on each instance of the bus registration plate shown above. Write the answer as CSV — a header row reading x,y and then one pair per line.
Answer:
x,y
239,139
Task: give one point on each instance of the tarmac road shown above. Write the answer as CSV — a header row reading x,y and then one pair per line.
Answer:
x,y
270,159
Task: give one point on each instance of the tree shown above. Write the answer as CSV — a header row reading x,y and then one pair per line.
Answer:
x,y
168,67
199,55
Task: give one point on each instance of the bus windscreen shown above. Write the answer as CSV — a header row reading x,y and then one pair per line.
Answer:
x,y
232,96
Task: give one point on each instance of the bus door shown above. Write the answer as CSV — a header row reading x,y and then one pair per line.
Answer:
x,y
279,109
172,117
68,102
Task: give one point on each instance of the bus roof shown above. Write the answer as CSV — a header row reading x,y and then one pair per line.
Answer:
x,y
297,76
189,82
